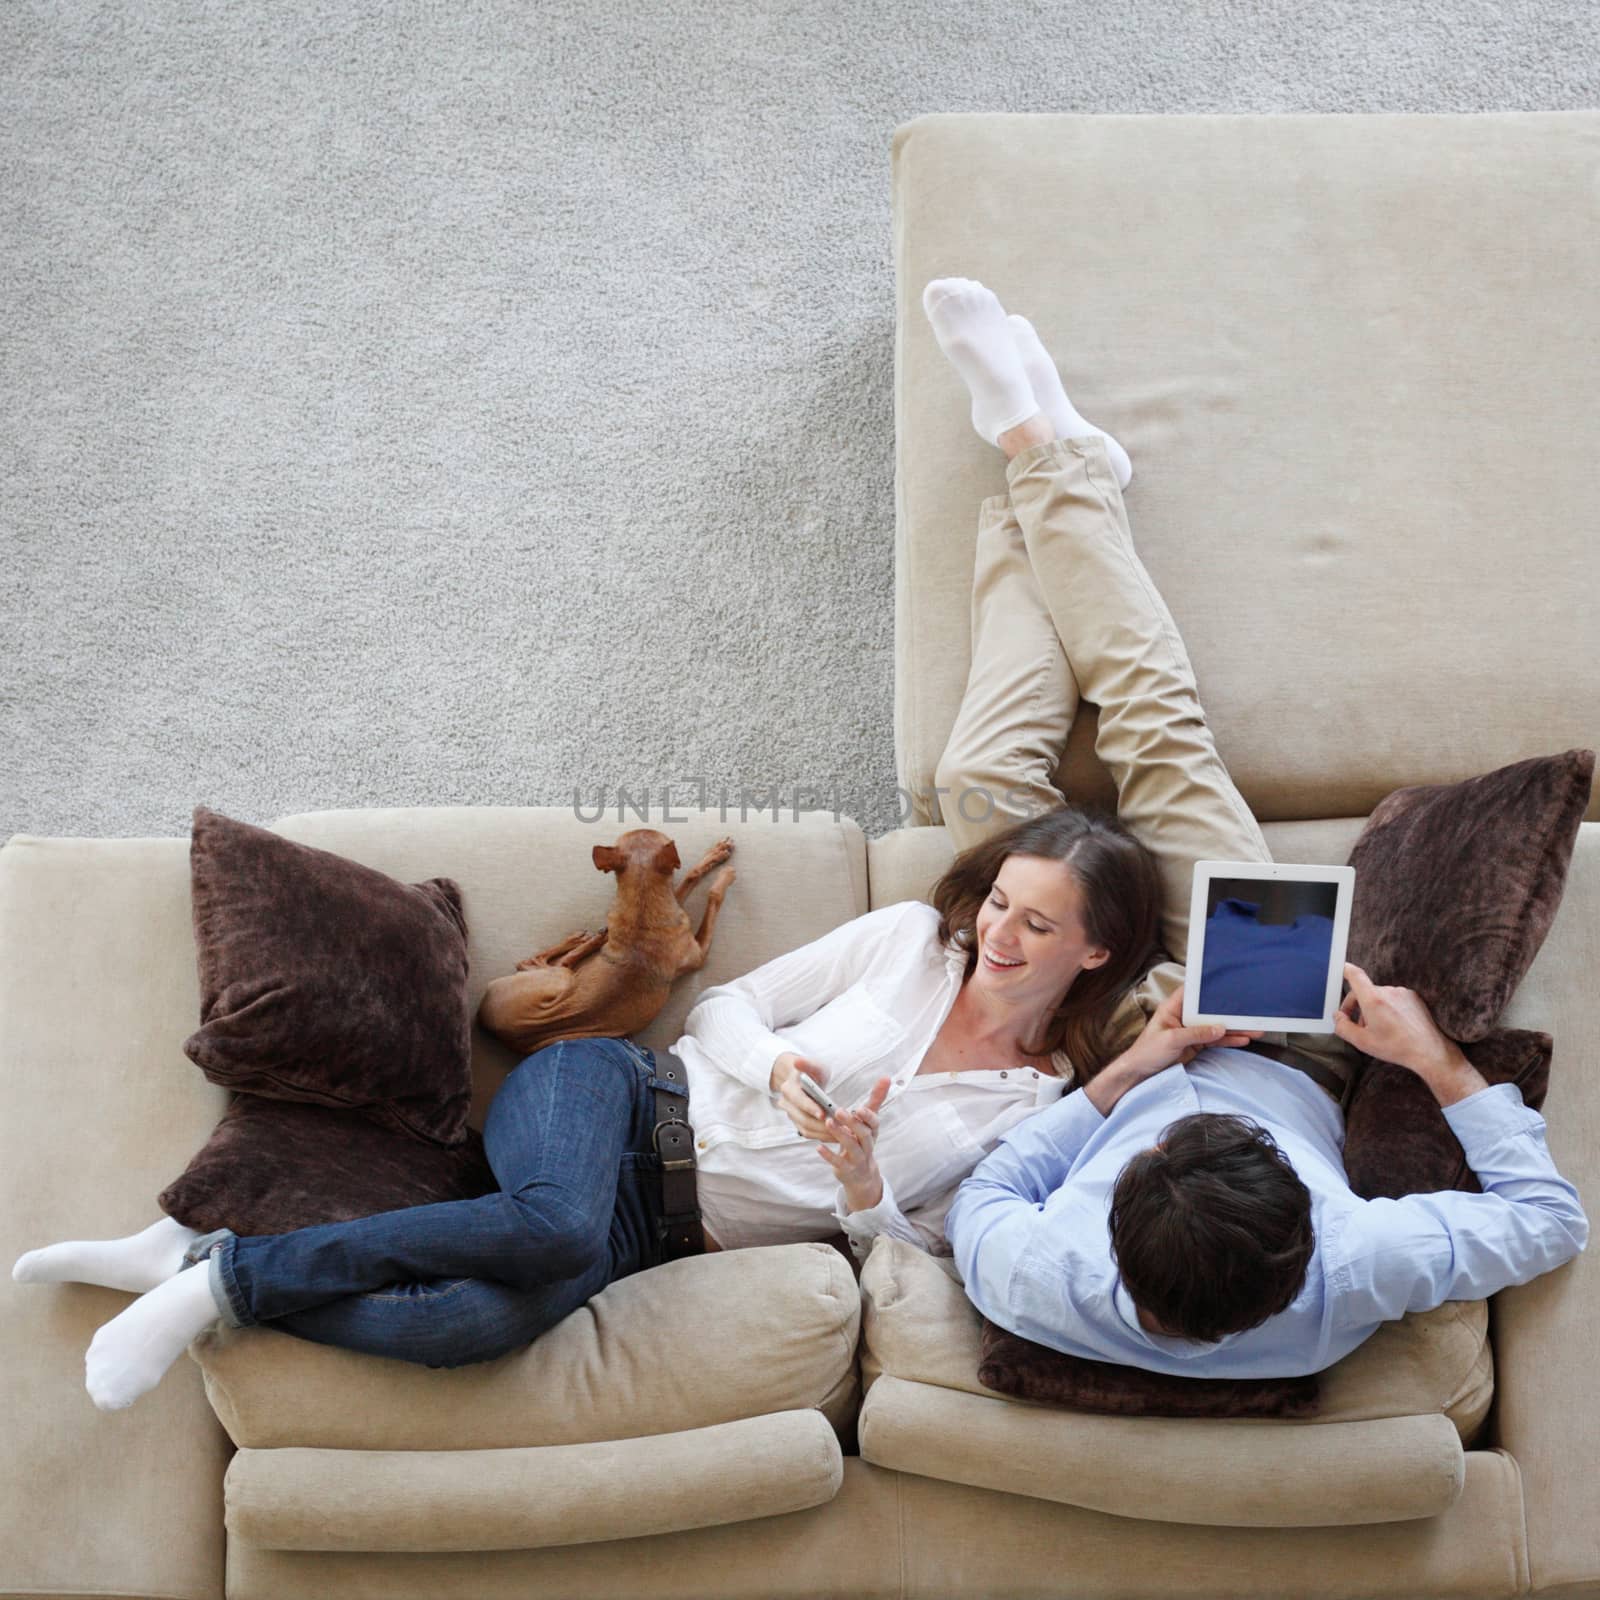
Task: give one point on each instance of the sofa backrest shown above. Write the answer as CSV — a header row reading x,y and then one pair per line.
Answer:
x,y
528,879
1352,359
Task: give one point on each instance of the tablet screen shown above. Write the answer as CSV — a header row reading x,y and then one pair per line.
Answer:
x,y
1267,947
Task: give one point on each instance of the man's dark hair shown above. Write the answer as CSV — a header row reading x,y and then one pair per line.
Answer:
x,y
1211,1230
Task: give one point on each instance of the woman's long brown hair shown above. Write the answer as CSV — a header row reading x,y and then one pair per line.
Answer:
x,y
1121,911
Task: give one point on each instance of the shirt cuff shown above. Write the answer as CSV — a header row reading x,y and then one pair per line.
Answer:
x,y
1490,1114
873,1220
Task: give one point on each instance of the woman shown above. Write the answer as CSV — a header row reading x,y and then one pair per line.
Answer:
x,y
944,1025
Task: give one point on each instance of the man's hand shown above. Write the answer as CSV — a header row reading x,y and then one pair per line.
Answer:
x,y
1395,1025
1164,1043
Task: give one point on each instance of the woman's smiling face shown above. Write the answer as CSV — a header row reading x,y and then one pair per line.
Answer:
x,y
1031,937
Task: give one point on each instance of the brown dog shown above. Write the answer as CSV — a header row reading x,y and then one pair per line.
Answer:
x,y
610,984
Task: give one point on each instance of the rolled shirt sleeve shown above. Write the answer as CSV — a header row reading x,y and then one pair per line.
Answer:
x,y
862,1227
740,1024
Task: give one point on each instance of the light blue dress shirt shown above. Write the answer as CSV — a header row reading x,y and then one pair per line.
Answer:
x,y
1030,1234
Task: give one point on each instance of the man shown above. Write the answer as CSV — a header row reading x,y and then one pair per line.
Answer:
x,y
1187,1210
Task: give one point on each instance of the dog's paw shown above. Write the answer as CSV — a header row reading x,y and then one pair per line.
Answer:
x,y
722,883
720,851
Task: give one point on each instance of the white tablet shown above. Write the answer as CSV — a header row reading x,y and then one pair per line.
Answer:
x,y
1266,945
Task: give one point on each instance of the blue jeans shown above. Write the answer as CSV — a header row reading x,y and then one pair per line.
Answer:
x,y
568,1138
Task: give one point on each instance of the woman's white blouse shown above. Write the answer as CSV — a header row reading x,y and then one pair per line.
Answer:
x,y
864,1001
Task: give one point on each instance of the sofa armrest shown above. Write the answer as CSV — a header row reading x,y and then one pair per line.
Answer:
x,y
1547,1389
100,1111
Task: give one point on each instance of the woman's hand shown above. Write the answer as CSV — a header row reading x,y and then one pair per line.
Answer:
x,y
803,1111
1164,1043
1395,1025
855,1165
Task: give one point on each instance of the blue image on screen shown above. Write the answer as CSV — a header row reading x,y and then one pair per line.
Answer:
x,y
1267,947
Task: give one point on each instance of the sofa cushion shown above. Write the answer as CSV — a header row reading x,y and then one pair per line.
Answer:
x,y
635,1361
273,1165
1235,1474
533,1497
325,981
918,1324
849,1546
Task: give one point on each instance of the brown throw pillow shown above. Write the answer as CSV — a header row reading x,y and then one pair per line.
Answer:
x,y
1456,888
274,1165
1396,1139
326,981
1012,1365
1457,884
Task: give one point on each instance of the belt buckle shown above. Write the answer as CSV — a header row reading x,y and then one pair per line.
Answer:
x,y
671,1163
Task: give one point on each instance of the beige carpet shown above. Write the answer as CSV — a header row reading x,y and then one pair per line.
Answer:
x,y
422,404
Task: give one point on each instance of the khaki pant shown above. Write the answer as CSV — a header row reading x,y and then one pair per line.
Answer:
x,y
1063,608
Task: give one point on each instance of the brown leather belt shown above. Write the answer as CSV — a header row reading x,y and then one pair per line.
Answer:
x,y
673,1140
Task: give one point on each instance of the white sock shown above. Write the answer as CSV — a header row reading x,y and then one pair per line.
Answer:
x,y
1052,398
132,1352
970,325
136,1263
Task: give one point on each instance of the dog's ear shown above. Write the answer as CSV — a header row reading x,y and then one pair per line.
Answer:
x,y
606,859
666,858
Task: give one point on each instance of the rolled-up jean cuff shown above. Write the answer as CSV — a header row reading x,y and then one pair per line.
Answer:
x,y
210,1248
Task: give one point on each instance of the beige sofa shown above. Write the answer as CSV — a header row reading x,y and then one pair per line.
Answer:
x,y
1346,355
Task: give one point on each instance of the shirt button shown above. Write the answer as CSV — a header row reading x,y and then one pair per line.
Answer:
x,y
1034,1072
1005,1074
702,1144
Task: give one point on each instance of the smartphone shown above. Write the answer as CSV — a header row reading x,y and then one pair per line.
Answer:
x,y
810,1086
